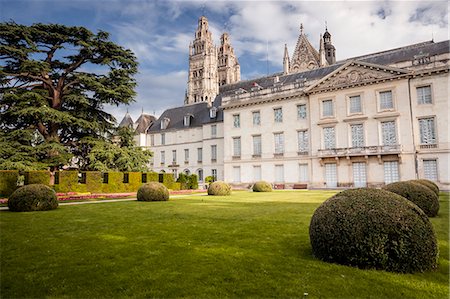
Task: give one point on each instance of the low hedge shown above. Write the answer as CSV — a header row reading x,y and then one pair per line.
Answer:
x,y
8,182
153,191
372,228
37,177
262,186
419,194
34,197
219,188
428,184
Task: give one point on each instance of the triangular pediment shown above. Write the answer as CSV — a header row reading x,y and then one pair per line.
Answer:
x,y
356,73
305,56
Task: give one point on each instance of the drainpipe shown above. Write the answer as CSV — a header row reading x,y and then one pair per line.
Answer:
x,y
416,166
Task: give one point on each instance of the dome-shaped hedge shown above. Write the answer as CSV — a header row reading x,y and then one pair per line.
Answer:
x,y
428,184
371,228
422,196
153,191
34,197
262,186
219,188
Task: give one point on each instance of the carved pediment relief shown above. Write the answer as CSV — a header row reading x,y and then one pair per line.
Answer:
x,y
353,76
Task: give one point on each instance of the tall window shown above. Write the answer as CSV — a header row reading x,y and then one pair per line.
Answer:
x,y
303,141
427,130
186,155
257,145
424,95
430,170
152,140
200,175
303,173
256,118
279,143
236,174
391,172
256,173
163,138
236,146
174,156
279,173
301,111
389,133
213,152
214,174
386,101
355,104
327,108
213,131
163,157
236,121
329,138
278,115
199,155
357,135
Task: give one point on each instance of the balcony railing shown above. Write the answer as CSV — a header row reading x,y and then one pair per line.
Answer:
x,y
429,145
358,151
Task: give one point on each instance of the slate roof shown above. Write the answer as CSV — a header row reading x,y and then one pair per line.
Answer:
x,y
144,122
127,121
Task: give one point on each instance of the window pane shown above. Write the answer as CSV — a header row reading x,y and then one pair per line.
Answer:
x,y
329,138
391,172
327,108
430,170
256,118
278,114
257,145
301,111
355,104
256,173
303,141
237,146
236,174
424,95
279,173
186,155
213,152
357,135
213,131
389,133
236,121
427,131
331,175
279,143
303,173
199,154
163,157
174,156
386,100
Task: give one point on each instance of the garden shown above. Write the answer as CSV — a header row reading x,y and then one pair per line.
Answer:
x,y
247,244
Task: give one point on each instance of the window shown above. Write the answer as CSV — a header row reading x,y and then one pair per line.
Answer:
x,y
187,120
424,95
355,104
213,112
163,138
386,100
199,155
357,132
236,174
236,146
301,111
257,145
327,108
174,156
214,174
163,157
303,173
165,123
279,173
186,155
279,143
256,118
391,172
389,133
430,171
236,121
144,178
213,153
200,175
126,178
331,175
213,131
359,175
329,138
152,140
105,178
278,115
427,131
256,173
303,141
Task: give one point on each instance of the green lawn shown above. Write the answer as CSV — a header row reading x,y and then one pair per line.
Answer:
x,y
246,245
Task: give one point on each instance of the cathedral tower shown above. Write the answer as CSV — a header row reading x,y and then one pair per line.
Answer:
x,y
228,66
203,82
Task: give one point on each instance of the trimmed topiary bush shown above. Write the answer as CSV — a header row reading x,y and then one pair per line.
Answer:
x,y
219,188
428,184
422,196
372,228
34,197
262,186
153,191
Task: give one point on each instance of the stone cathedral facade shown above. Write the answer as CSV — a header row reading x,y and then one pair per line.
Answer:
x,y
318,123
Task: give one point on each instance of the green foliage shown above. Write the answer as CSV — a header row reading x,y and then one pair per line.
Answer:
x,y
8,182
34,197
68,181
262,186
419,194
175,186
429,184
193,182
209,179
153,191
370,228
152,176
50,97
188,182
37,177
219,188
168,179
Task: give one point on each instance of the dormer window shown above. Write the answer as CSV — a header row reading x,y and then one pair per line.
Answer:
x,y
213,112
165,123
187,120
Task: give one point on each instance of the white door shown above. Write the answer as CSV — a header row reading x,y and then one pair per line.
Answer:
x,y
430,170
331,175
391,172
359,175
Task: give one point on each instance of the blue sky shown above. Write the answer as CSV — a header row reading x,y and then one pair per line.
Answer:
x,y
159,32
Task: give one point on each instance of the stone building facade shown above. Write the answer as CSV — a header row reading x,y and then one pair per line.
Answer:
x,y
320,123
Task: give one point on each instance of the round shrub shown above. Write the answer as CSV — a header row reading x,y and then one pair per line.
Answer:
x,y
219,188
153,191
34,197
428,184
372,228
422,196
262,186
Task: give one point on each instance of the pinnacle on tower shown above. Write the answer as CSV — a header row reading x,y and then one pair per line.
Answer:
x,y
286,61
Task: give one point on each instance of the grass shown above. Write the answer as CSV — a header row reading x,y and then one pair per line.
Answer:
x,y
246,245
